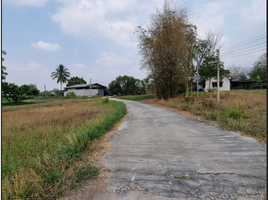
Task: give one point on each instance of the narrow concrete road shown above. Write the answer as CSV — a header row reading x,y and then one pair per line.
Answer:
x,y
167,154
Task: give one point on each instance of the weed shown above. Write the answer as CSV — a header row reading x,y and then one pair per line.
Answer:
x,y
234,113
185,107
96,96
105,100
70,95
86,172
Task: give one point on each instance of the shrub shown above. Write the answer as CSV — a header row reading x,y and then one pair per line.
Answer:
x,y
105,100
96,96
84,97
71,95
185,107
234,113
86,172
208,104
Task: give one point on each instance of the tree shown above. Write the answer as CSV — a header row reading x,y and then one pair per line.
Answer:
x,y
12,92
163,49
57,92
75,80
208,69
126,85
3,68
237,69
61,74
259,71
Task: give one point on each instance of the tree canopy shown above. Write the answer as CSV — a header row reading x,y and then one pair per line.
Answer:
x,y
75,80
259,71
3,69
61,74
163,47
12,92
126,85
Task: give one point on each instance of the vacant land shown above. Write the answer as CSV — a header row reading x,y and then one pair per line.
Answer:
x,y
41,143
243,111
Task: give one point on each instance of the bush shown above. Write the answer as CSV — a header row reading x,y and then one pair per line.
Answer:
x,y
234,113
185,107
105,100
84,97
71,95
96,96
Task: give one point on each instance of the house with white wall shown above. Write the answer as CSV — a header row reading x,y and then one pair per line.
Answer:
x,y
230,82
86,89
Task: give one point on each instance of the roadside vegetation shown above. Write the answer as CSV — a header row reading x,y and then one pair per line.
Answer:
x,y
137,97
43,144
240,110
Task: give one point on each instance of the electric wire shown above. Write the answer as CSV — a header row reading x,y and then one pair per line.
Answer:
x,y
244,48
244,54
244,51
245,42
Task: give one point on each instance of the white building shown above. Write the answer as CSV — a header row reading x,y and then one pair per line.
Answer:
x,y
84,89
230,82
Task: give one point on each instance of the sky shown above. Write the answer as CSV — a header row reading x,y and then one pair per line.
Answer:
x,y
95,39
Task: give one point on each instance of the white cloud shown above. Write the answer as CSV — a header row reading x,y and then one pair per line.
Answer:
x,y
111,60
46,46
35,3
211,19
31,66
256,11
115,20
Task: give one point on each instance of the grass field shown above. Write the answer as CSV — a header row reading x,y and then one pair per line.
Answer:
x,y
41,142
240,110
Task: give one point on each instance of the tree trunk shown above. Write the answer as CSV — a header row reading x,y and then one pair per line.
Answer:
x,y
187,89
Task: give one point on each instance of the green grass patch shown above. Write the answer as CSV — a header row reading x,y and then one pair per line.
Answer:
x,y
137,97
39,167
105,100
18,103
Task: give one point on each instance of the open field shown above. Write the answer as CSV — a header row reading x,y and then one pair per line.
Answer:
x,y
41,143
243,111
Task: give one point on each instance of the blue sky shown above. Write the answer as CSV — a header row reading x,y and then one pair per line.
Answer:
x,y
95,38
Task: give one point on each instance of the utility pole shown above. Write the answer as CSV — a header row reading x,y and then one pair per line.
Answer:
x,y
45,91
90,88
218,76
197,74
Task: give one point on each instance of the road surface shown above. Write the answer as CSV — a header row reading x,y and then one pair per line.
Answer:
x,y
165,154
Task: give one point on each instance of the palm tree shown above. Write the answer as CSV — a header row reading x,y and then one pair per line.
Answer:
x,y
61,73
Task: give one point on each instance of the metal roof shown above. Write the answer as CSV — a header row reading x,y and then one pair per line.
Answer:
x,y
83,85
239,77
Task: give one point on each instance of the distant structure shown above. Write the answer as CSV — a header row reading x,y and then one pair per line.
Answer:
x,y
84,89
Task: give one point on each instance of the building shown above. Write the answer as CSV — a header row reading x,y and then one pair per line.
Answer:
x,y
231,82
84,89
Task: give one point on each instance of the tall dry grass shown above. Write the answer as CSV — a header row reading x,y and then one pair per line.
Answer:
x,y
31,136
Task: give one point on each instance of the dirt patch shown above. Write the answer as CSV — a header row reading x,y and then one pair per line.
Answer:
x,y
97,189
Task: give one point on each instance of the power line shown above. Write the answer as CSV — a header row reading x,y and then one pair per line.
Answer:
x,y
243,48
244,54
243,51
244,42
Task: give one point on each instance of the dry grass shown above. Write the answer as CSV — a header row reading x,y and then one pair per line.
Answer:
x,y
31,135
250,104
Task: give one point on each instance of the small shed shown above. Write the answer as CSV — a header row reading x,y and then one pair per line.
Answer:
x,y
86,89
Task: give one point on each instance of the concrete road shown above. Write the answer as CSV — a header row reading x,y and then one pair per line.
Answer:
x,y
167,154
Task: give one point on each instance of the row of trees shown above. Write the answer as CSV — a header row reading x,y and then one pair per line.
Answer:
x,y
13,93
